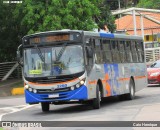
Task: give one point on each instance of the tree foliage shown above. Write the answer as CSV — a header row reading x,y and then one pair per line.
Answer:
x,y
114,4
105,17
151,4
60,14
17,20
47,15
9,33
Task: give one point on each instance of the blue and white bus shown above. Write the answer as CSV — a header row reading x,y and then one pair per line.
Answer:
x,y
73,66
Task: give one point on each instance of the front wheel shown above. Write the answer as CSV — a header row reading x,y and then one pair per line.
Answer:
x,y
96,101
131,94
45,106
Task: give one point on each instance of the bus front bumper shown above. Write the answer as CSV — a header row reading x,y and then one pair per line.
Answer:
x,y
77,94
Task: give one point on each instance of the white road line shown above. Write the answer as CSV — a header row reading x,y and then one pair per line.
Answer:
x,y
14,109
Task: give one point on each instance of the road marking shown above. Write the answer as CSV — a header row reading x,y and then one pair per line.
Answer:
x,y
14,109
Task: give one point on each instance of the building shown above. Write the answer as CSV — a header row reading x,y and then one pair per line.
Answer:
x,y
144,22
151,25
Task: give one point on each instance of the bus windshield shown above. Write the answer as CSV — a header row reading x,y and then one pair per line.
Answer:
x,y
53,61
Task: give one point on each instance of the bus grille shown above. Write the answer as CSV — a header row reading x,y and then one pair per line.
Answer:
x,y
49,91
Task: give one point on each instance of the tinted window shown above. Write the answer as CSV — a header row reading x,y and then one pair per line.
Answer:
x,y
107,56
89,46
128,51
115,51
134,51
98,51
122,51
140,51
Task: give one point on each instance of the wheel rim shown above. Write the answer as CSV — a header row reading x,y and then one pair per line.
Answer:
x,y
99,96
132,90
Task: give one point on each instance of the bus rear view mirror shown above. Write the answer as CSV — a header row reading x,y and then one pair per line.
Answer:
x,y
19,58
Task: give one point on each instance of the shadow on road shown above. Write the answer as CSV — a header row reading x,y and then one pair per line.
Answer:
x,y
153,85
78,108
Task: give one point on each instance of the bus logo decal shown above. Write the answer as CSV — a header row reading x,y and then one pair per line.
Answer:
x,y
62,85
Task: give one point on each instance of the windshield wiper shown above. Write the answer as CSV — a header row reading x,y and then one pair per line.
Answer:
x,y
61,52
40,54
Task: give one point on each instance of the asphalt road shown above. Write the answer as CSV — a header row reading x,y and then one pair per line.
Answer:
x,y
145,107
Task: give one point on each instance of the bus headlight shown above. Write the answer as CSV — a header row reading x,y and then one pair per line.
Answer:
x,y
26,86
30,89
77,85
82,82
72,88
34,90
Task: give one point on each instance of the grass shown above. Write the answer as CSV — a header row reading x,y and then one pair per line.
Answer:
x,y
9,83
3,82
18,84
1,129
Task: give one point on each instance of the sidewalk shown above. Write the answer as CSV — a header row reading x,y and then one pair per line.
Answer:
x,y
148,113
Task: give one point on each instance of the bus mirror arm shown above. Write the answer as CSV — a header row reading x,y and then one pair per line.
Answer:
x,y
19,58
89,52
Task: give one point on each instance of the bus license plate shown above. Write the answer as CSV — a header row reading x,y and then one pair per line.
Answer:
x,y
53,95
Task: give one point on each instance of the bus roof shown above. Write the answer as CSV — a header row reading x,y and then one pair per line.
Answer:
x,y
92,33
112,35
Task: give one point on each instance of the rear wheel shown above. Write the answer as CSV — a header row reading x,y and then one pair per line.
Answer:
x,y
97,100
131,94
45,106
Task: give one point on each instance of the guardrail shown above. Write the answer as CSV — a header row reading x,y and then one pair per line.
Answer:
x,y
152,54
10,70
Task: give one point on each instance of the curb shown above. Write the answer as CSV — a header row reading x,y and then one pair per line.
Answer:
x,y
17,91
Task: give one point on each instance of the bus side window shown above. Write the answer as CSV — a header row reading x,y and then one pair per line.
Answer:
x,y
134,51
128,51
115,51
140,51
107,56
89,47
122,51
98,47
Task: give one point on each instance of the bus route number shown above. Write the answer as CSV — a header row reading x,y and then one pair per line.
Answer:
x,y
62,85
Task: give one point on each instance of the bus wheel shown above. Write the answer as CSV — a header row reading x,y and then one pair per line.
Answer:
x,y
131,94
45,106
96,101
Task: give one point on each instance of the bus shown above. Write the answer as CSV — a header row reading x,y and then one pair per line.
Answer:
x,y
74,66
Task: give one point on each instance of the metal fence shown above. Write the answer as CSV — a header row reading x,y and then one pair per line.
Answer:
x,y
152,54
10,70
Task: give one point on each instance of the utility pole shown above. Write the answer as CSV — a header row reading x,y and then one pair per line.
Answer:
x,y
119,7
134,21
119,4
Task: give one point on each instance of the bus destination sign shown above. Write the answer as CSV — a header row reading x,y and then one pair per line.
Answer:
x,y
49,39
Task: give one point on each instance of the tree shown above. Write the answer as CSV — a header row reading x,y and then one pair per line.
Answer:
x,y
47,15
17,20
151,4
61,14
105,17
9,32
114,4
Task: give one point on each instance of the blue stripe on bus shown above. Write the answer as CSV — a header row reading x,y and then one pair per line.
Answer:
x,y
107,35
77,94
